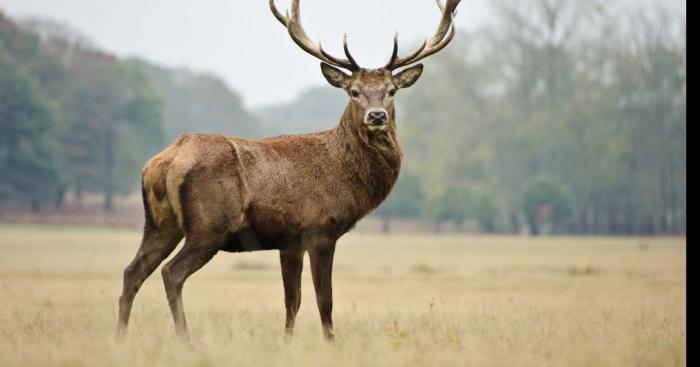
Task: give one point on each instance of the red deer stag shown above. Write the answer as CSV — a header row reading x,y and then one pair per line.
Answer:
x,y
294,194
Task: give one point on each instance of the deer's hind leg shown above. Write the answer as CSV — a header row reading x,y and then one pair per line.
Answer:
x,y
192,257
208,230
211,206
155,247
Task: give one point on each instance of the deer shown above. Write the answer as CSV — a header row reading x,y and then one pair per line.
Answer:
x,y
294,194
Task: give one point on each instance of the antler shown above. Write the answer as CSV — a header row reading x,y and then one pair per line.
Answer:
x,y
299,36
435,44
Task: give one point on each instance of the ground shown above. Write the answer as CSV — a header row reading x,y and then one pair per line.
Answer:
x,y
399,301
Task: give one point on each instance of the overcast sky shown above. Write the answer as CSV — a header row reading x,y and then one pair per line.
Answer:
x,y
242,42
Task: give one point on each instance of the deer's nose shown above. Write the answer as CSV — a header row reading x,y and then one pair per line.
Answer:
x,y
377,117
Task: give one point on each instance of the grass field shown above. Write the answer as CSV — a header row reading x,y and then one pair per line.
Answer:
x,y
399,301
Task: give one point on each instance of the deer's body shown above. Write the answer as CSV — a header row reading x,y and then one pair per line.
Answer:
x,y
295,194
271,193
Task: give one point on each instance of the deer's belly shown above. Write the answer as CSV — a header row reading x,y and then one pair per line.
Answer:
x,y
249,240
265,230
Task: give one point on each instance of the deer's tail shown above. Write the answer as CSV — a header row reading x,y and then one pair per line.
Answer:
x,y
154,187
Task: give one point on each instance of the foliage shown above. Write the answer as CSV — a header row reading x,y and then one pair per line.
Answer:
x,y
545,201
405,200
566,104
486,212
569,90
93,117
71,110
27,152
111,124
450,205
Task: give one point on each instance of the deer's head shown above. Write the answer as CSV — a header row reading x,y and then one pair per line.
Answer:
x,y
371,91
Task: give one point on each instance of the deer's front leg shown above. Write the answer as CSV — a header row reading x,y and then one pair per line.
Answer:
x,y
321,259
292,264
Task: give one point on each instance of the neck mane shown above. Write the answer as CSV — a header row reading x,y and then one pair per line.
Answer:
x,y
373,159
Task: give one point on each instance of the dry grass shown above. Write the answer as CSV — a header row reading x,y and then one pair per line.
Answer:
x,y
399,301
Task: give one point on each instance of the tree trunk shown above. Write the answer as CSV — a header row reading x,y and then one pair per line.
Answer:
x,y
60,196
514,224
36,206
108,201
612,220
79,195
628,215
534,228
110,161
595,217
583,223
386,224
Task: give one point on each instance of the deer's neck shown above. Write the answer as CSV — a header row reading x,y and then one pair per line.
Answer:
x,y
372,159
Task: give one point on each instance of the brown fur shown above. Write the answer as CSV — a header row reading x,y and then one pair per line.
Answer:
x,y
154,182
295,194
282,186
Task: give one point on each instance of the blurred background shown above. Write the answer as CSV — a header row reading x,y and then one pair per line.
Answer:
x,y
543,116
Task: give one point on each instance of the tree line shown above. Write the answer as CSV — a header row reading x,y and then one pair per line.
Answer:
x,y
65,113
76,119
563,116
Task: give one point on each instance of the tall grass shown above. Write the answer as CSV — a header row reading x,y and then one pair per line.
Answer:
x,y
399,301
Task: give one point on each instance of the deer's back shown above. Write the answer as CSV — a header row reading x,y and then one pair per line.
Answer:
x,y
274,190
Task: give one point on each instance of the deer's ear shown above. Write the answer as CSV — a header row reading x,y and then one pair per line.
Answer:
x,y
334,76
408,77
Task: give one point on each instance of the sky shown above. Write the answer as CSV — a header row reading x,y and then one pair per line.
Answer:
x,y
240,40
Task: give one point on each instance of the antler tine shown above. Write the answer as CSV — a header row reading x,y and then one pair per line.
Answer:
x,y
439,4
447,20
429,51
353,64
395,51
282,19
395,62
347,52
442,37
298,34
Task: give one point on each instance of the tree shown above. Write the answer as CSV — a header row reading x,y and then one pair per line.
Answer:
x,y
544,201
112,122
27,148
406,200
451,205
566,89
486,211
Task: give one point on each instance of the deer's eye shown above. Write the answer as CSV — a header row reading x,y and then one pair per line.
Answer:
x,y
354,93
392,92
